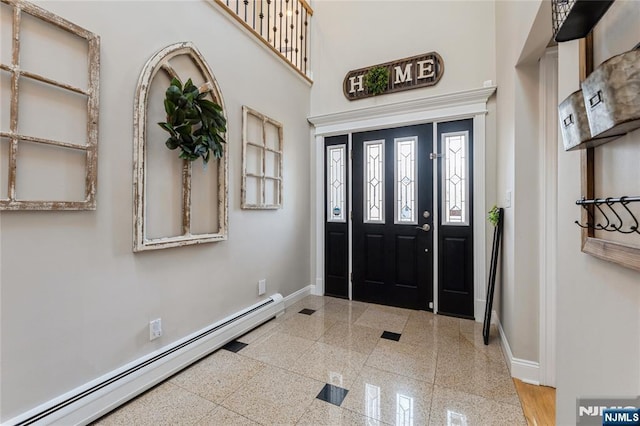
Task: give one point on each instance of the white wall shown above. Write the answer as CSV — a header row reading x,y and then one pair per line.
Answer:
x,y
75,300
598,302
518,149
354,34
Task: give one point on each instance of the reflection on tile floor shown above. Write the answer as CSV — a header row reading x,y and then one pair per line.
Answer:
x,y
437,372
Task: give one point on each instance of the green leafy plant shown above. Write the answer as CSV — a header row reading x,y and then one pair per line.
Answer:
x,y
494,215
195,124
376,80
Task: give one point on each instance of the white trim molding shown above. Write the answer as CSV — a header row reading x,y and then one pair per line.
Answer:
x,y
319,213
479,214
430,109
317,289
548,172
525,370
448,107
298,295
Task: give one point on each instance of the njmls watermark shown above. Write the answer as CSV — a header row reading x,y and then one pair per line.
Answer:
x,y
608,411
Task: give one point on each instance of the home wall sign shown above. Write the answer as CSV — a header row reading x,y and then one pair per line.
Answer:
x,y
404,74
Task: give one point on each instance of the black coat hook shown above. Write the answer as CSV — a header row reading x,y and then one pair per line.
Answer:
x,y
633,228
609,204
600,226
618,223
590,214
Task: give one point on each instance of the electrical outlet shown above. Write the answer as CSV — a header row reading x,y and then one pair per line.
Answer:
x,y
262,287
155,329
507,199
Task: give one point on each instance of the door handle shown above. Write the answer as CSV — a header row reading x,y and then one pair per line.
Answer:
x,y
426,227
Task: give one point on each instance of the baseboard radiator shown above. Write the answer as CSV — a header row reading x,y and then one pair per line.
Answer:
x,y
96,398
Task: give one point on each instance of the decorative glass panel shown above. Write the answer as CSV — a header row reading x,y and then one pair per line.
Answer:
x,y
455,147
406,186
374,181
404,410
336,178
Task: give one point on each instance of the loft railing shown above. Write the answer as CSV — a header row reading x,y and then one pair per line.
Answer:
x,y
283,25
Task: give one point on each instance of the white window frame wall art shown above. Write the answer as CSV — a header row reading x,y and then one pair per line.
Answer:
x,y
161,61
16,138
256,139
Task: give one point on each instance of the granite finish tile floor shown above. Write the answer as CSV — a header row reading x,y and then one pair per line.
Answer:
x,y
377,365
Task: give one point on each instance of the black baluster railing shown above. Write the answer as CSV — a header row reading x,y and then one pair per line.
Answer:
x,y
275,21
254,14
283,25
297,21
286,29
280,27
261,17
305,42
268,20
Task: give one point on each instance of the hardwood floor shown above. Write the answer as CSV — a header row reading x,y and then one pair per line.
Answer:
x,y
538,403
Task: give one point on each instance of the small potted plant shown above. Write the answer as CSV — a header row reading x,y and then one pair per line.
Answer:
x,y
494,215
195,125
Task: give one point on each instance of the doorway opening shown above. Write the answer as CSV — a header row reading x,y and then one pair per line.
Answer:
x,y
410,206
471,105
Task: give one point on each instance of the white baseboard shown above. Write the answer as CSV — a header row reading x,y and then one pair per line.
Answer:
x,y
317,289
298,295
525,370
92,400
480,306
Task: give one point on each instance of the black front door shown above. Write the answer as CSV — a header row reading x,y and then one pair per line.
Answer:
x,y
392,201
455,241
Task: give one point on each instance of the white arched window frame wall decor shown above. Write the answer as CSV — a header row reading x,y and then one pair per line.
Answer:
x,y
161,61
